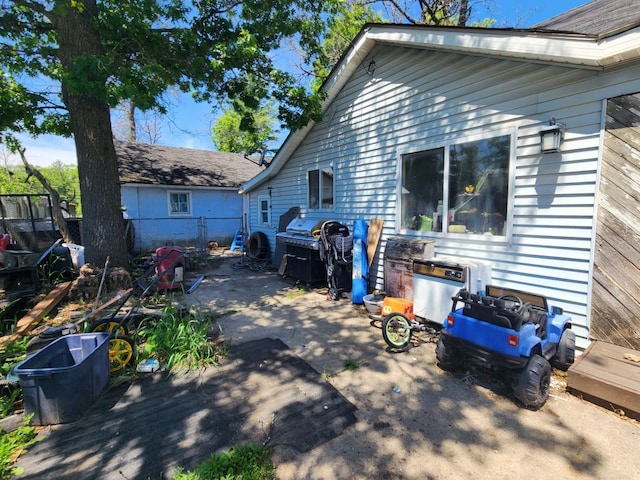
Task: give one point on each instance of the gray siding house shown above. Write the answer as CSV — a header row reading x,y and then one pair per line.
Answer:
x,y
181,196
437,131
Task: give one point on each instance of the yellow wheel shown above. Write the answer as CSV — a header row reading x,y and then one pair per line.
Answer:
x,y
111,326
121,352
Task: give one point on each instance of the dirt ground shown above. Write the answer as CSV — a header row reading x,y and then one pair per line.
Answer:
x,y
415,421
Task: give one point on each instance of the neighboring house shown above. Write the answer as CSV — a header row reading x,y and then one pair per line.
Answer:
x,y
437,131
180,196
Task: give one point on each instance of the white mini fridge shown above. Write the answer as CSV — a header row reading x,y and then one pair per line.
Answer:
x,y
437,280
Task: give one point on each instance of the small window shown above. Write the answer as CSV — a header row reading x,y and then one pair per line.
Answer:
x,y
179,203
320,188
460,188
264,210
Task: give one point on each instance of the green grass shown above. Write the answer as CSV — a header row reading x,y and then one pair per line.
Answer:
x,y
244,462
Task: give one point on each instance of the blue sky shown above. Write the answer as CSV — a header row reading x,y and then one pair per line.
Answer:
x,y
189,124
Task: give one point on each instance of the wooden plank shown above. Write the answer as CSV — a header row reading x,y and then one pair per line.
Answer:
x,y
606,375
43,307
37,313
373,237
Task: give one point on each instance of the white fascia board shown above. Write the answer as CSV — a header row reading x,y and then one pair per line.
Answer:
x,y
565,49
620,48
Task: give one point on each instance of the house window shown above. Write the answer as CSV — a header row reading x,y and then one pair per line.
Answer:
x,y
459,188
320,188
264,210
179,203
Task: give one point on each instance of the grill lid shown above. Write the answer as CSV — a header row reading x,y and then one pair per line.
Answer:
x,y
304,227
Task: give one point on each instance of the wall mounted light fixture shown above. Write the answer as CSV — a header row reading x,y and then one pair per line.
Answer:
x,y
551,136
372,67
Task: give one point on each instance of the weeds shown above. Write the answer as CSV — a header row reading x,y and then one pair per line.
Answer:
x,y
244,462
295,293
350,365
179,339
12,444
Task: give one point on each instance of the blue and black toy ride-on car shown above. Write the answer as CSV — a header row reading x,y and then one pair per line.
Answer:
x,y
512,332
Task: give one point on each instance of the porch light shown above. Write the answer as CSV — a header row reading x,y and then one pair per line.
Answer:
x,y
551,137
371,68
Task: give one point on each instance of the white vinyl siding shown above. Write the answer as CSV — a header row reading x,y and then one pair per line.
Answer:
x,y
420,97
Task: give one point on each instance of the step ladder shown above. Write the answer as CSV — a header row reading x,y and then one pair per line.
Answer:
x,y
238,241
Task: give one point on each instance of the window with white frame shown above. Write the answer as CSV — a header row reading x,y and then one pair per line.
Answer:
x,y
264,210
459,188
320,188
179,203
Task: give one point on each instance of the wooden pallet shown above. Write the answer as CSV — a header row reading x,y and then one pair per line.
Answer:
x,y
607,375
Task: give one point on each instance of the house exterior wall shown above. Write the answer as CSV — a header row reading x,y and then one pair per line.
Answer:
x,y
215,214
418,99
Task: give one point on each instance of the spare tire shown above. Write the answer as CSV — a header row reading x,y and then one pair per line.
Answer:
x,y
258,246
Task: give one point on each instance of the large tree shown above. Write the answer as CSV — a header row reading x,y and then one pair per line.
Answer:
x,y
66,62
430,12
231,134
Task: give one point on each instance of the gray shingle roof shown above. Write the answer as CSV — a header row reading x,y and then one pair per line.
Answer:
x,y
142,163
598,17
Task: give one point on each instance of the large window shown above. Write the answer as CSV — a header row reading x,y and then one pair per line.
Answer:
x,y
179,203
320,188
460,188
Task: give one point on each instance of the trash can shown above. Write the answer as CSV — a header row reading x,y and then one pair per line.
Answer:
x,y
61,381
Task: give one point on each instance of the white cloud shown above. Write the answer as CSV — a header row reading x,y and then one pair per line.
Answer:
x,y
45,150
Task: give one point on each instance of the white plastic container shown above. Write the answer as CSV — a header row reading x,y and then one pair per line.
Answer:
x,y
77,254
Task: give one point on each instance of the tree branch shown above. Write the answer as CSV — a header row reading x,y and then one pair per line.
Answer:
x,y
55,197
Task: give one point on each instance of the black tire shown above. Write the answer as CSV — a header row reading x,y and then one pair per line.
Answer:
x,y
566,352
396,331
333,294
258,246
531,384
449,357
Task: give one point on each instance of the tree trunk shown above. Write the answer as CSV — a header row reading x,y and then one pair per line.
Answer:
x,y
83,94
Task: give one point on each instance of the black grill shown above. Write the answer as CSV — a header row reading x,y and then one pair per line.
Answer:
x,y
302,245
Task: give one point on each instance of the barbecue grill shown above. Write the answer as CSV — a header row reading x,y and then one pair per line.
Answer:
x,y
302,243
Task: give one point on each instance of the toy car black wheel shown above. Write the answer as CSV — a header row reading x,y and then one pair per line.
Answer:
x,y
531,384
449,357
396,331
566,352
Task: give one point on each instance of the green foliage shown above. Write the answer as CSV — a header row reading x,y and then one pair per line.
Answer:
x,y
342,29
64,178
350,365
244,462
12,445
215,50
11,353
178,339
233,134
